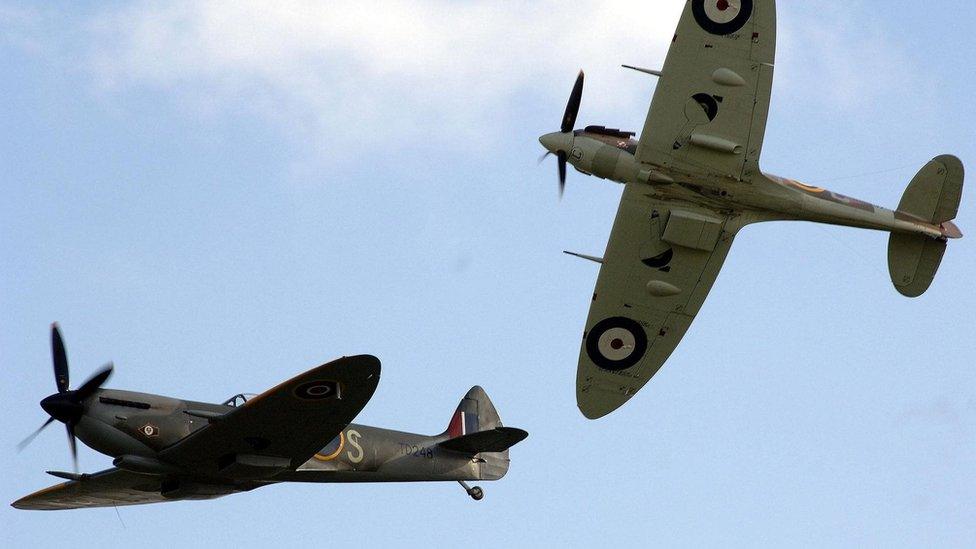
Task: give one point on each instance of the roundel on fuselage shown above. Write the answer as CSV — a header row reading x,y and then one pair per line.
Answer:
x,y
721,17
332,449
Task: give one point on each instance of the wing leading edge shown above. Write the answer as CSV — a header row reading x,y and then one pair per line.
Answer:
x,y
660,264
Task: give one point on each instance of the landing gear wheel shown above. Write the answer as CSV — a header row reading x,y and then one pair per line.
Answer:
x,y
475,492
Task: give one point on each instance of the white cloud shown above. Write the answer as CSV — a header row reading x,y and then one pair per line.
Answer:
x,y
367,72
401,68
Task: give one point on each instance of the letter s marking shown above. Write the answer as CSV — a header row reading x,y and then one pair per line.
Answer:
x,y
353,438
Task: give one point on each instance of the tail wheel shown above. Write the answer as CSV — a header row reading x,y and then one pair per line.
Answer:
x,y
475,492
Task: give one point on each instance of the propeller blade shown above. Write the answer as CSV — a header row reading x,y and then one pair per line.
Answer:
x,y
544,157
572,108
60,359
73,444
93,383
23,444
562,172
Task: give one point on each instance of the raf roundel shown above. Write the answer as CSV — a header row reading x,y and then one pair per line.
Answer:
x,y
616,343
721,17
317,390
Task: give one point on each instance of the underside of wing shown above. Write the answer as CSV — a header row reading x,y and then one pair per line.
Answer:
x,y
115,488
709,111
661,262
283,427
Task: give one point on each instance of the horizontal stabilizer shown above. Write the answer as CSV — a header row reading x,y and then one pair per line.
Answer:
x,y
935,192
933,196
498,439
913,261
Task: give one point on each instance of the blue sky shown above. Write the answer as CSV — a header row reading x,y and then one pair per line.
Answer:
x,y
219,196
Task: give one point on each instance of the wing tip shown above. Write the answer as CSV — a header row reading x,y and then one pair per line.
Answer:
x,y
365,360
358,362
521,434
23,504
595,397
595,408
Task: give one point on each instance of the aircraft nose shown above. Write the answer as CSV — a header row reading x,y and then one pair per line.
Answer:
x,y
61,407
555,142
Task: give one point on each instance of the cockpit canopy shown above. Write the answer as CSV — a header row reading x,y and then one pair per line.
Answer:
x,y
239,399
611,136
609,132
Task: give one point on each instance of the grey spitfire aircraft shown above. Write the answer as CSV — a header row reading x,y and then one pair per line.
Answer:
x,y
693,180
167,449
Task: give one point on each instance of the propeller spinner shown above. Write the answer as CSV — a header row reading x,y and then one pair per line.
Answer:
x,y
562,142
67,406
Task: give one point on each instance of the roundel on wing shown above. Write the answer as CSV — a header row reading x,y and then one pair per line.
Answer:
x,y
721,17
616,343
317,390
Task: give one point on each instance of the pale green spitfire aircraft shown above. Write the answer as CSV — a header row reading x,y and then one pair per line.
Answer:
x,y
693,181
167,449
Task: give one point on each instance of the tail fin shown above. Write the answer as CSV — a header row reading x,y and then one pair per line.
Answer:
x,y
475,428
932,196
474,413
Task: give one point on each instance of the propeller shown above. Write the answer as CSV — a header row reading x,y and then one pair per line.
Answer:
x,y
560,143
67,406
573,106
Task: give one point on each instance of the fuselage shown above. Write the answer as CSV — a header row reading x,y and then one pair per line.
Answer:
x,y
611,154
124,424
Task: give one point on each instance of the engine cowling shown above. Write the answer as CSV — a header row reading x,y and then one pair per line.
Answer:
x,y
597,158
